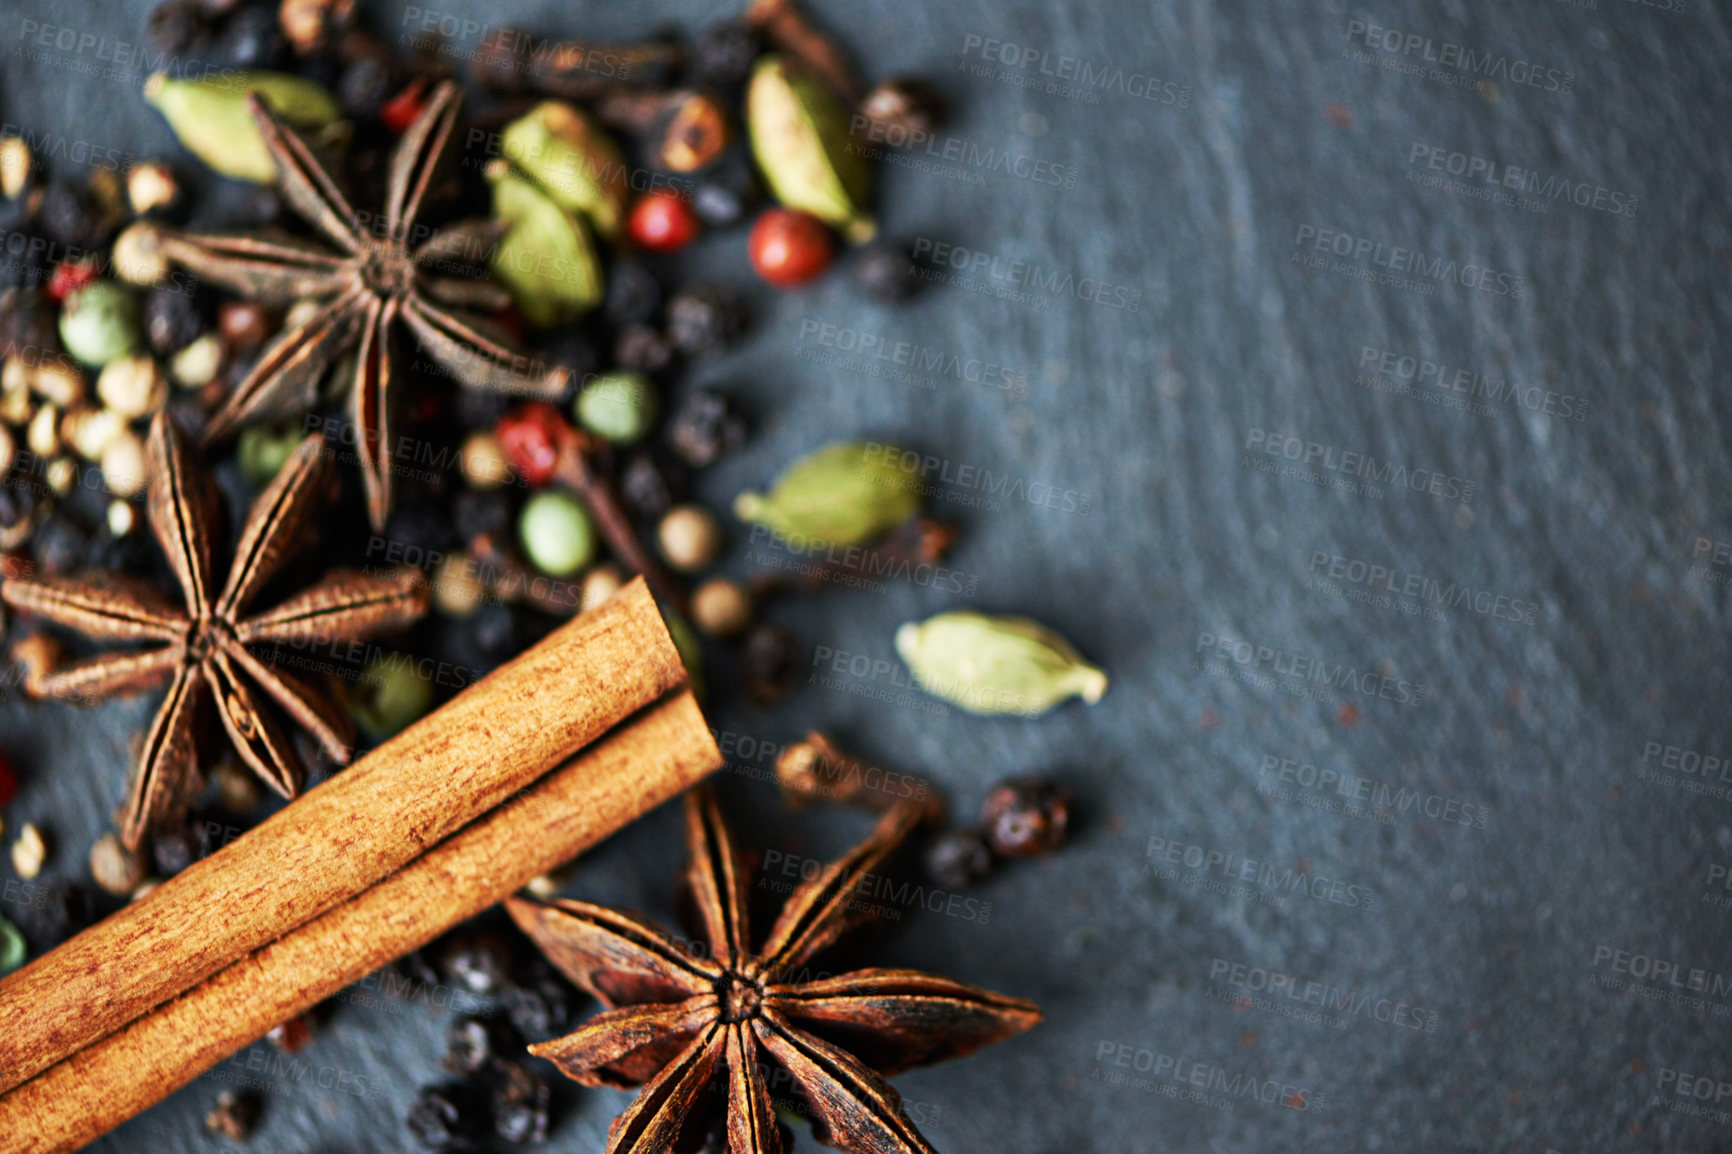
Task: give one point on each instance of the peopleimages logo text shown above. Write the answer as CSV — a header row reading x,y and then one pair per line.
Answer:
x,y
1408,261
1329,459
1423,49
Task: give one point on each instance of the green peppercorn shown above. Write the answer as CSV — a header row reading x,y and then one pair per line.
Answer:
x,y
556,533
99,323
618,406
391,697
12,951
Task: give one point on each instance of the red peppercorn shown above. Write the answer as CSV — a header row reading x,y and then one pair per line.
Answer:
x,y
70,276
1024,816
531,436
662,222
400,111
8,782
789,248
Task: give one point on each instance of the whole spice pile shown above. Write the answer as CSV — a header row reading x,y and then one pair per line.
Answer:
x,y
451,282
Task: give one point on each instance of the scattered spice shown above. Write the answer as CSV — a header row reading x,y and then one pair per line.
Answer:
x,y
690,538
996,665
790,248
683,1024
12,950
769,662
115,868
234,1116
721,608
1024,816
903,110
662,222
556,533
621,407
847,493
29,852
957,859
520,1105
706,428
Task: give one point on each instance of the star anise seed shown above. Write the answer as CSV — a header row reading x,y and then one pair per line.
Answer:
x,y
696,1028
376,279
206,649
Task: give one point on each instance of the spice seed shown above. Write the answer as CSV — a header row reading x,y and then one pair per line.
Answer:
x,y
721,608
115,869
690,537
29,852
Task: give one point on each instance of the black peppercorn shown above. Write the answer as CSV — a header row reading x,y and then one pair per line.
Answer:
x,y
520,1106
423,528
728,192
474,1044
175,26
494,628
903,108
572,349
770,660
448,1117
703,320
478,962
886,271
539,1003
60,909
28,320
650,485
958,859
641,349
633,294
172,320
413,975
723,53
1025,816
263,207
706,428
60,547
365,85
17,502
479,514
128,554
252,38
174,849
71,214
235,1115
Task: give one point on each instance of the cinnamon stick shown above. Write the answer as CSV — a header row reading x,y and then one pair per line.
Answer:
x,y
341,837
645,762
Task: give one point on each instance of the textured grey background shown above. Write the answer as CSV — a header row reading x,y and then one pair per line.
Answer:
x,y
1493,930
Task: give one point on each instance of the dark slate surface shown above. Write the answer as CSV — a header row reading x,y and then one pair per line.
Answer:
x,y
1481,966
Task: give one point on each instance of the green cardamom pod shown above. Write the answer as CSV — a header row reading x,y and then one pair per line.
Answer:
x,y
547,259
996,665
573,160
210,116
799,131
844,494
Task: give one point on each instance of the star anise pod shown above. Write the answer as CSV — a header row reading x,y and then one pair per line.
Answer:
x,y
208,646
697,1028
377,278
